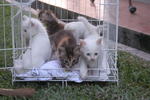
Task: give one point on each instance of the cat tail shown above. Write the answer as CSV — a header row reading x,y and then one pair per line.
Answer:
x,y
86,23
83,19
90,27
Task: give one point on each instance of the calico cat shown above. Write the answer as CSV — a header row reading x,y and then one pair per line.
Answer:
x,y
66,48
52,23
64,44
39,43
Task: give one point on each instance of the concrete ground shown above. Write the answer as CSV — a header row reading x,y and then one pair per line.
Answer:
x,y
133,51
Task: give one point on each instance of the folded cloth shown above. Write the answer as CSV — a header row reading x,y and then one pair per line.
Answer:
x,y
53,69
50,70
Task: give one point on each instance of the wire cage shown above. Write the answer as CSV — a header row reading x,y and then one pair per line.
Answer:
x,y
13,45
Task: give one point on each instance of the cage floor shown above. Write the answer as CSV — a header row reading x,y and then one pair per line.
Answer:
x,y
52,71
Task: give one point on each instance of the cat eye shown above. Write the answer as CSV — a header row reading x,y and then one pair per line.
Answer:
x,y
75,61
101,33
65,62
25,30
96,54
88,54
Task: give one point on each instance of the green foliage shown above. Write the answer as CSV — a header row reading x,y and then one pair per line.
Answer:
x,y
5,35
134,84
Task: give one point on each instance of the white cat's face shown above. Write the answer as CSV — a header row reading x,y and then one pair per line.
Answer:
x,y
29,26
90,48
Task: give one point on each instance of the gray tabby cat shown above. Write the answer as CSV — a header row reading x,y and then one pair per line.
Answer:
x,y
66,49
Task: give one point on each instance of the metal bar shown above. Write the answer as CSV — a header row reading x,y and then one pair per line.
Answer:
x,y
13,40
25,4
15,48
4,31
111,78
116,46
63,81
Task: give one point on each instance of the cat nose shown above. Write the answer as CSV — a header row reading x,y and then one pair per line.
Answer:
x,y
92,59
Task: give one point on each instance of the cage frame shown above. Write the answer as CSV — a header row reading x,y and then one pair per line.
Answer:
x,y
29,5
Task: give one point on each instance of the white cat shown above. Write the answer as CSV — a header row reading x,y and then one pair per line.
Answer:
x,y
91,48
40,45
91,51
89,28
80,30
88,36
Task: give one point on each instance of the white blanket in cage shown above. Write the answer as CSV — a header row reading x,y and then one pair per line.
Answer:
x,y
52,69
49,71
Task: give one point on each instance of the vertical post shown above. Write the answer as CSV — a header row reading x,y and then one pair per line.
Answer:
x,y
116,46
62,84
66,83
4,31
13,41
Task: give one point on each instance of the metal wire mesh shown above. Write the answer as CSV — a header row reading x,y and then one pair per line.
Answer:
x,y
12,43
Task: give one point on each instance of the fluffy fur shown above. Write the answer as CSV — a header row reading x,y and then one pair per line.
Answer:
x,y
78,28
89,28
90,47
40,45
90,50
88,36
66,48
82,28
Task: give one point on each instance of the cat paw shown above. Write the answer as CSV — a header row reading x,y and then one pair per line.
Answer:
x,y
83,75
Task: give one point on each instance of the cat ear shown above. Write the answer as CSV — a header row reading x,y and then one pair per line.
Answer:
x,y
82,42
24,17
99,41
